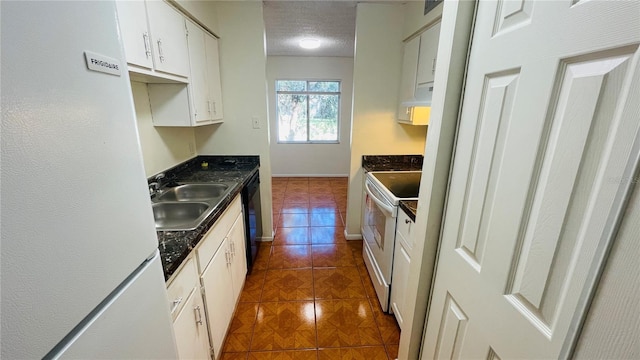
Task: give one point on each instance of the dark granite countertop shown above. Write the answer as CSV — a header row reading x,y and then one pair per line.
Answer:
x,y
392,162
175,246
410,207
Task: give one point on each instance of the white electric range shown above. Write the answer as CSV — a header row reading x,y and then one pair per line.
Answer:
x,y
383,191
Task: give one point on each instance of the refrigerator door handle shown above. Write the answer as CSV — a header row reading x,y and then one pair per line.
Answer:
x,y
176,303
198,315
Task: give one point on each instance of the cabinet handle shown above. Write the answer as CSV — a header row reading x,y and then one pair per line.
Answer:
x,y
226,256
407,221
209,106
433,67
176,303
147,44
233,248
215,110
198,315
160,52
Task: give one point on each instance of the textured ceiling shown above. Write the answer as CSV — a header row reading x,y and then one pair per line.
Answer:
x,y
333,22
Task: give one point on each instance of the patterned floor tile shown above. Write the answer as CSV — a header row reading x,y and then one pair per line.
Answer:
x,y
338,283
286,284
285,325
252,290
343,323
332,255
327,235
326,218
262,258
234,356
295,208
357,353
290,256
284,355
293,220
387,323
392,351
292,236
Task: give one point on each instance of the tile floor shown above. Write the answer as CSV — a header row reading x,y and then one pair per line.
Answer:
x,y
309,295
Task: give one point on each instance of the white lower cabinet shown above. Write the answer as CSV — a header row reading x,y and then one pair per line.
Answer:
x,y
223,276
218,289
211,282
190,328
238,266
187,311
401,262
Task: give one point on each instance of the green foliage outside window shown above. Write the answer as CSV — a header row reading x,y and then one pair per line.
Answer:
x,y
308,110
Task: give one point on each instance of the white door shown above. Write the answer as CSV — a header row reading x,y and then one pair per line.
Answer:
x,y
547,144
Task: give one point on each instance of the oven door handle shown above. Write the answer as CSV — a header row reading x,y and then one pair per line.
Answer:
x,y
382,205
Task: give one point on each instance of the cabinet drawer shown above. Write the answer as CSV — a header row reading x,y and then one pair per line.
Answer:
x,y
182,285
404,225
214,238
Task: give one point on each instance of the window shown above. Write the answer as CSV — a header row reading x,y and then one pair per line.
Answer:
x,y
308,111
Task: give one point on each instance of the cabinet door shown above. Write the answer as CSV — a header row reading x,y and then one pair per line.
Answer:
x,y
401,261
171,54
213,77
239,262
132,18
189,326
216,280
199,90
428,53
408,80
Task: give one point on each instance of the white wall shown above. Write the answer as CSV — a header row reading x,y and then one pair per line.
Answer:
x,y
311,159
244,94
162,147
376,76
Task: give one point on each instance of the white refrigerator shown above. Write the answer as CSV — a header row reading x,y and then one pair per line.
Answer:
x,y
80,272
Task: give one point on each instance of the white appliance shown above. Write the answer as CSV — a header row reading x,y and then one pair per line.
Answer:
x,y
81,276
383,191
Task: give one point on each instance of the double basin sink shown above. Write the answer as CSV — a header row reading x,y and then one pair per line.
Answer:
x,y
186,206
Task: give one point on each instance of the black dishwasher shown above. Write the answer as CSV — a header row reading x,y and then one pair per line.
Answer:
x,y
252,217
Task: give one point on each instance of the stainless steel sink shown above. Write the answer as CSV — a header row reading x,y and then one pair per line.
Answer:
x,y
179,215
186,206
194,192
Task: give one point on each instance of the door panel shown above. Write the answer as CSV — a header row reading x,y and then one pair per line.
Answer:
x,y
452,330
498,94
547,144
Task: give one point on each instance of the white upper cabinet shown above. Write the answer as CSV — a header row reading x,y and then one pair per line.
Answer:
x,y
428,55
198,79
169,38
418,72
213,77
409,73
132,17
154,38
204,83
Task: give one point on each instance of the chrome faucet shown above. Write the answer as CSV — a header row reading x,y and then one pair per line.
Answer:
x,y
159,178
156,186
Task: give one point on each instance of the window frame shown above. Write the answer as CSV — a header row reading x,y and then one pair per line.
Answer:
x,y
307,93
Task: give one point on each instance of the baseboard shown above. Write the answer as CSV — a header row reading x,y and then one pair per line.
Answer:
x,y
309,175
352,236
267,238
